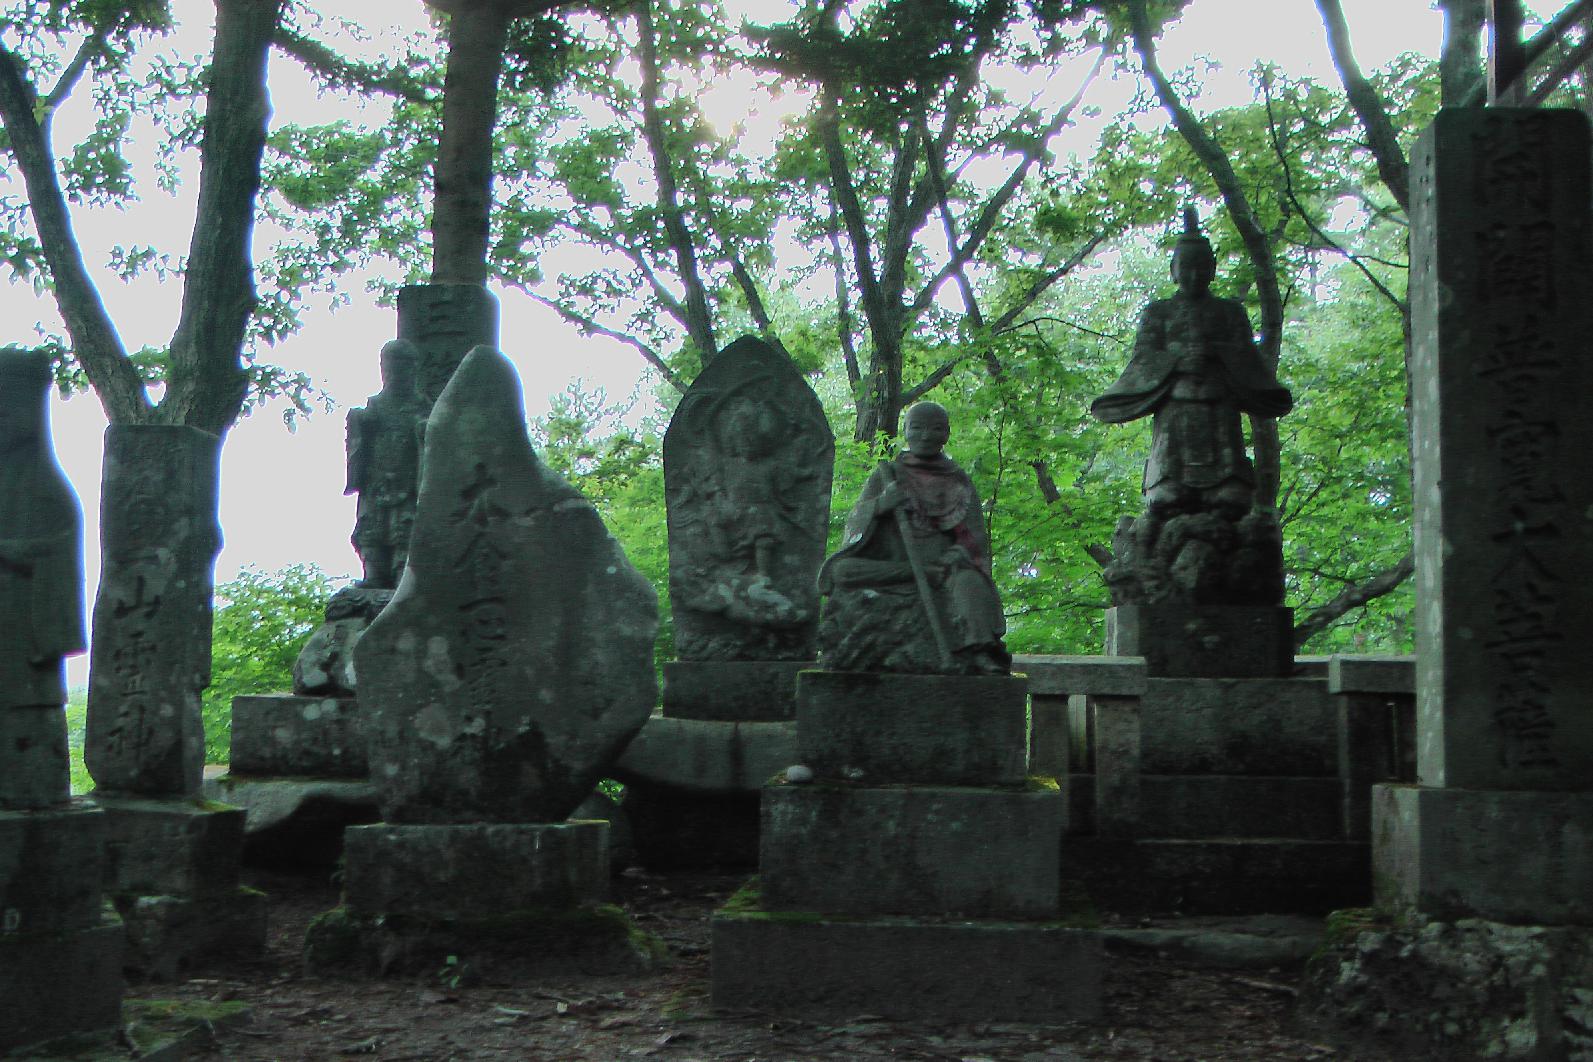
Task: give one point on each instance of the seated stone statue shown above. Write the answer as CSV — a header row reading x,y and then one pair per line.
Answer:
x,y
911,590
41,565
1195,369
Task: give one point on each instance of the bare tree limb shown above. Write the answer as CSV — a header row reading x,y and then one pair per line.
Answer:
x,y
1043,282
1381,138
339,72
73,73
1320,619
843,302
588,326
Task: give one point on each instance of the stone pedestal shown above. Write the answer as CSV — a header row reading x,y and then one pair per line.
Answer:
x,y
445,321
503,899
60,946
1376,698
1204,641
913,893
741,691
171,867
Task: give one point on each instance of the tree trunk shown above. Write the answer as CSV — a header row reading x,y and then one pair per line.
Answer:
x,y
1460,64
462,196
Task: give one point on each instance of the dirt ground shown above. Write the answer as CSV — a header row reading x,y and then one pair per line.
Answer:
x,y
1155,1008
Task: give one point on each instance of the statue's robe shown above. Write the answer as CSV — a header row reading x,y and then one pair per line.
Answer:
x,y
41,576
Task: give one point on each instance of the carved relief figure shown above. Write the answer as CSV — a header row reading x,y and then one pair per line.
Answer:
x,y
41,567
911,589
1195,369
384,467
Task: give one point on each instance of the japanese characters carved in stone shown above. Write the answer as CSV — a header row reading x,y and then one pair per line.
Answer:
x,y
384,467
747,464
911,589
1195,369
515,660
41,588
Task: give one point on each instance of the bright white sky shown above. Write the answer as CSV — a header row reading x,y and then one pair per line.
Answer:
x,y
282,500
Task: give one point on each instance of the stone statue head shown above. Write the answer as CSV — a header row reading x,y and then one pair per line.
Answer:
x,y
24,382
400,360
750,428
1194,263
927,428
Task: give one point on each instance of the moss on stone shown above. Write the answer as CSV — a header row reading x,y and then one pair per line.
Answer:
x,y
1043,783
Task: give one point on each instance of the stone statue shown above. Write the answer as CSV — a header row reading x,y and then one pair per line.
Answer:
x,y
384,467
747,464
910,590
1194,370
41,590
41,534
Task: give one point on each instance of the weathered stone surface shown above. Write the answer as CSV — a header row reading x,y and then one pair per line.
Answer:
x,y
1050,736
151,653
473,870
1227,726
747,464
1377,744
50,869
1501,253
1255,942
1113,676
515,661
296,822
325,666
171,847
910,588
1220,875
279,733
883,728
1118,764
1453,990
41,587
61,984
384,466
1214,805
905,968
703,756
445,321
979,853
1204,641
1371,674
739,690
1524,857
169,937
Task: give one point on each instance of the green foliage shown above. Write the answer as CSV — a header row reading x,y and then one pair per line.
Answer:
x,y
262,620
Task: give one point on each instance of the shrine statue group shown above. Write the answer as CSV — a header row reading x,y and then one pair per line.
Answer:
x,y
910,588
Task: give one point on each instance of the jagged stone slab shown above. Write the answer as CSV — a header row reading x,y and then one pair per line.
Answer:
x,y
747,464
515,661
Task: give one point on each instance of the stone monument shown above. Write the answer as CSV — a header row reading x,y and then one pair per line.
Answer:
x,y
171,861
906,867
1198,577
747,464
510,669
60,948
1481,943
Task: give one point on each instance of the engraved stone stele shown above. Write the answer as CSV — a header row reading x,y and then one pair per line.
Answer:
x,y
445,321
1483,872
515,660
151,650
747,463
60,954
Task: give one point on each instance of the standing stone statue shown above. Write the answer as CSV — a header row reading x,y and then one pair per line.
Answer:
x,y
384,467
747,465
41,588
1195,369
911,589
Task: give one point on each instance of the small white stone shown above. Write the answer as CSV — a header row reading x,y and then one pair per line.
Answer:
x,y
852,774
798,774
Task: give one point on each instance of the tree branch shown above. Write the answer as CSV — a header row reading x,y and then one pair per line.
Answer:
x,y
843,302
1043,282
590,327
339,72
73,73
1320,619
1381,138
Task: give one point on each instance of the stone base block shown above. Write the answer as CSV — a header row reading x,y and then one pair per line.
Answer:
x,y
183,848
1507,856
1238,726
1194,641
473,870
1395,675
50,869
55,985
983,853
511,945
1191,806
761,691
703,756
1444,990
678,829
296,823
36,774
1220,876
884,729
283,734
904,968
170,936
